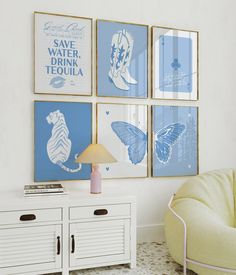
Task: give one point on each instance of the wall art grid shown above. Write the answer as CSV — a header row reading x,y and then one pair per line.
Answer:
x,y
122,71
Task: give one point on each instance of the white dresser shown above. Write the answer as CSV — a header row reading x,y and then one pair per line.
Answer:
x,y
42,235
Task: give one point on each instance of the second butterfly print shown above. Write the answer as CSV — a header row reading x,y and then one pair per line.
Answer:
x,y
122,59
174,141
122,128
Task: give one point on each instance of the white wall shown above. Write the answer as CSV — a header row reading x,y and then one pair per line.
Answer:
x,y
214,19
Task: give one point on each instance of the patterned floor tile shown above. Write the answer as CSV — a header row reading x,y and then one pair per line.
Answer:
x,y
152,259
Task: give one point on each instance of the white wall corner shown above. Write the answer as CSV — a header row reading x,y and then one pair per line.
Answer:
x,y
150,233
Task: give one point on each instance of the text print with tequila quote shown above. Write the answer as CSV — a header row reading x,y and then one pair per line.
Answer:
x,y
63,54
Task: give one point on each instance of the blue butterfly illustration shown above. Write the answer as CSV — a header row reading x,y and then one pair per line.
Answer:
x,y
133,137
136,140
165,138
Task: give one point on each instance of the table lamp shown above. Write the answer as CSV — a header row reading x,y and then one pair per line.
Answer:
x,y
95,154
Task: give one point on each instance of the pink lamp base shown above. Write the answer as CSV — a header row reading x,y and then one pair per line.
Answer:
x,y
95,180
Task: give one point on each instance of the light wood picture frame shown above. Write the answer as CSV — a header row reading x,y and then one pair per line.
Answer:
x,y
174,141
63,54
123,130
175,70
122,59
62,131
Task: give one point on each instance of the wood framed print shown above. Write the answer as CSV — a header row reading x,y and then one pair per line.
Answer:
x,y
122,129
122,61
63,54
174,141
174,64
62,131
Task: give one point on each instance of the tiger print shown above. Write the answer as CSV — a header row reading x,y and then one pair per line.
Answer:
x,y
59,144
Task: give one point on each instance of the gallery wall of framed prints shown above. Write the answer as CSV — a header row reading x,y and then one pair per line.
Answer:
x,y
128,110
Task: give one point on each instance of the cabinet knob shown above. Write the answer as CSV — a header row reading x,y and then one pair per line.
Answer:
x,y
28,217
99,212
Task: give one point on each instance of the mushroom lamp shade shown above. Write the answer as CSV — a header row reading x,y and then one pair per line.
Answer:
x,y
95,154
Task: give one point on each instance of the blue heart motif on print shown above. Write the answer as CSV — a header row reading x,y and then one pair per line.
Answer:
x,y
107,168
107,112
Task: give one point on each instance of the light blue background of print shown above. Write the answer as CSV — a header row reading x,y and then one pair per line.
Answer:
x,y
78,117
174,47
138,65
184,152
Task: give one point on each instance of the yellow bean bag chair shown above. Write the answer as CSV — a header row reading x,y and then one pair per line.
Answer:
x,y
207,205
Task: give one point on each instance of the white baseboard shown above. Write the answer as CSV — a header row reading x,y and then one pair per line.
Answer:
x,y
150,233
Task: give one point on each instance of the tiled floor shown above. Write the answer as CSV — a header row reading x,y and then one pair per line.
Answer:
x,y
152,259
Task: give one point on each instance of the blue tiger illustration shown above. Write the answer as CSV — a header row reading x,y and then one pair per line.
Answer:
x,y
59,145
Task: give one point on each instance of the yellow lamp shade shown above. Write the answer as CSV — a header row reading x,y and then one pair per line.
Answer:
x,y
95,153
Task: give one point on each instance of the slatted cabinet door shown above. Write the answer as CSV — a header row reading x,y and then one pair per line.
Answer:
x,y
30,249
99,242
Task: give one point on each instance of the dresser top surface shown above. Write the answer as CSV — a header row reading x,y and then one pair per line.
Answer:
x,y
73,198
